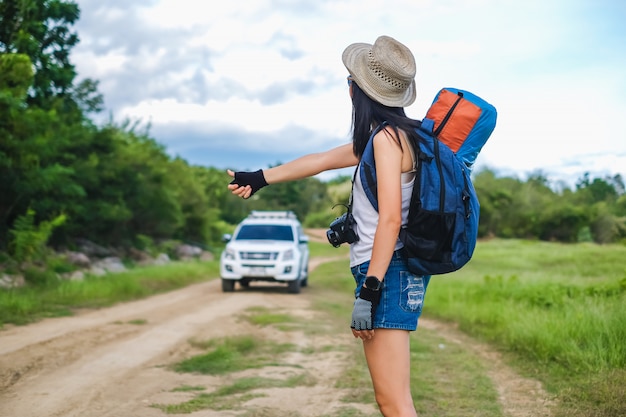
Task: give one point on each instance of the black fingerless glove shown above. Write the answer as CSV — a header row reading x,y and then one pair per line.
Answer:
x,y
256,180
365,309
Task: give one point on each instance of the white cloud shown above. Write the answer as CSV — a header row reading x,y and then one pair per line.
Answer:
x,y
268,66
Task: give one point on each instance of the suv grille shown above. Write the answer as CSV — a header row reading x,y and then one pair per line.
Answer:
x,y
258,256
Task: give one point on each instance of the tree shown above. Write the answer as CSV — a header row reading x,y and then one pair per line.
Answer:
x,y
301,197
605,226
495,199
15,78
561,222
598,189
40,29
32,140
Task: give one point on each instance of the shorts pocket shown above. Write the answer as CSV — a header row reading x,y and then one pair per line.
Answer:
x,y
412,291
359,273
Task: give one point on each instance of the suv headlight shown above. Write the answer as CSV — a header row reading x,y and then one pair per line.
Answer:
x,y
229,254
288,255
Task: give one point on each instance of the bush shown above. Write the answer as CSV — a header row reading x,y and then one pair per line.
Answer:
x,y
29,240
40,277
320,219
59,265
584,235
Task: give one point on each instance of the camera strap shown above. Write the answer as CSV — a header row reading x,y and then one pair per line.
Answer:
x,y
352,188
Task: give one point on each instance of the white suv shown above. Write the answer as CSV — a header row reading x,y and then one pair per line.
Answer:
x,y
266,246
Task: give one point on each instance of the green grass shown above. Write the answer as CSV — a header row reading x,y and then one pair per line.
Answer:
x,y
448,380
188,388
228,397
233,354
326,250
215,401
136,322
557,309
229,355
263,316
282,320
31,303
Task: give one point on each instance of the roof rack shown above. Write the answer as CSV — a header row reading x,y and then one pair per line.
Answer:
x,y
257,214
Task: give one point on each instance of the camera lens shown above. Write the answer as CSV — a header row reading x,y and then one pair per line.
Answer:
x,y
333,238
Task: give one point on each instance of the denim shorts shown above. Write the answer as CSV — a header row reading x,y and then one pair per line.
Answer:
x,y
402,295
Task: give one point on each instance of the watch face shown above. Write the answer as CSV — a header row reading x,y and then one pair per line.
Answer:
x,y
372,283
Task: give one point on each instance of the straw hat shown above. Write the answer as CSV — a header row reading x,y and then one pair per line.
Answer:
x,y
385,71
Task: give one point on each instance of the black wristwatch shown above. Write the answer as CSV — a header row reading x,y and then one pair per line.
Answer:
x,y
373,283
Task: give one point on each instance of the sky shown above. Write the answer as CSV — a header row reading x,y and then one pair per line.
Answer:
x,y
252,83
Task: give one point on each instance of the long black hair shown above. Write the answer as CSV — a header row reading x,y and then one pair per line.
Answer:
x,y
367,114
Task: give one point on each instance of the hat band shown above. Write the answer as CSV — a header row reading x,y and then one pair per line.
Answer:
x,y
378,71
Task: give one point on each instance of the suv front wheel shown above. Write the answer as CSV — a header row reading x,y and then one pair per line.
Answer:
x,y
228,285
293,287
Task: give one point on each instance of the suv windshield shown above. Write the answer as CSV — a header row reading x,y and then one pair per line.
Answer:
x,y
265,232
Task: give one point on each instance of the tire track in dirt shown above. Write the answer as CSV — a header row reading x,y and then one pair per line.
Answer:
x,y
99,364
519,396
65,373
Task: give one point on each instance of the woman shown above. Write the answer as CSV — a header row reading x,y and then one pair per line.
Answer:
x,y
388,297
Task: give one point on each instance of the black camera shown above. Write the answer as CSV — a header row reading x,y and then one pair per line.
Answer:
x,y
341,230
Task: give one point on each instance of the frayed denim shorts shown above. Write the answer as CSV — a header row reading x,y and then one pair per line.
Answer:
x,y
402,295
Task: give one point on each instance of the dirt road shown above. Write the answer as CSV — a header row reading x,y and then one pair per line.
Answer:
x,y
112,362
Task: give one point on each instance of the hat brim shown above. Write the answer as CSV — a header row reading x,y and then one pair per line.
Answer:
x,y
355,58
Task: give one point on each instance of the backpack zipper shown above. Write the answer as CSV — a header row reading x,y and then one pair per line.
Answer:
x,y
442,183
448,115
466,196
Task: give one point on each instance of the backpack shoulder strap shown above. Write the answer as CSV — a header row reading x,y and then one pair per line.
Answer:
x,y
428,125
367,168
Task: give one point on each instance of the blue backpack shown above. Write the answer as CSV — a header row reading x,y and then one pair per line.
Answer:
x,y
442,227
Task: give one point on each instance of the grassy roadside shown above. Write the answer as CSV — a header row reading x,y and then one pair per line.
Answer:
x,y
60,298
556,309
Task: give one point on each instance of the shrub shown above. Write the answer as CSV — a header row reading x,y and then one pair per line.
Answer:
x,y
29,240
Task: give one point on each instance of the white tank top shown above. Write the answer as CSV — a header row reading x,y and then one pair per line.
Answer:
x,y
366,217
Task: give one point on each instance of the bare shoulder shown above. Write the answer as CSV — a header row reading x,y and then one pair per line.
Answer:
x,y
387,136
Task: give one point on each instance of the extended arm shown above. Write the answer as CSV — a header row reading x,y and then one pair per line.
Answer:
x,y
303,167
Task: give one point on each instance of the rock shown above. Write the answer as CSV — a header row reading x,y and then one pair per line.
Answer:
x,y
139,255
78,258
207,256
188,251
92,249
12,281
111,264
162,259
97,271
74,276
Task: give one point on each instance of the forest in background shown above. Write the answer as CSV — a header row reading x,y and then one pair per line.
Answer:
x,y
63,177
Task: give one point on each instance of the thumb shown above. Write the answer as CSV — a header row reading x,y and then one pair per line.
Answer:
x,y
230,172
